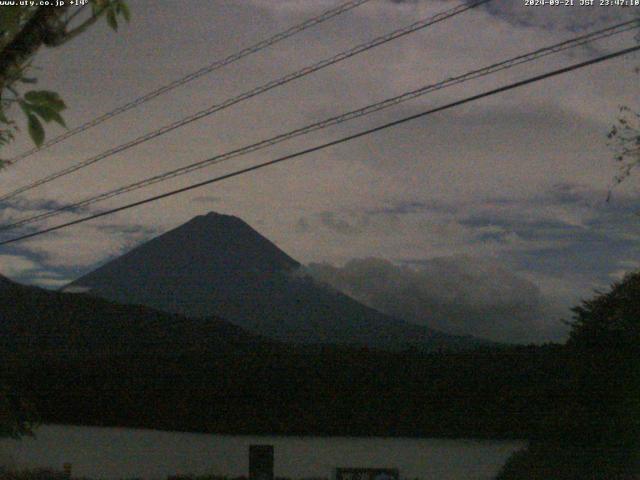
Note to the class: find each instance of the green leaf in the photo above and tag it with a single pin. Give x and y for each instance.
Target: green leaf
(124, 11)
(10, 17)
(56, 117)
(36, 130)
(48, 114)
(112, 20)
(39, 96)
(25, 107)
(97, 6)
(47, 98)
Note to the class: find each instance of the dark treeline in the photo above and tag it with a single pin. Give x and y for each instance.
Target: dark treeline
(504, 393)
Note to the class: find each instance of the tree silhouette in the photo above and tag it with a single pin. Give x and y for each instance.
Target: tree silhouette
(610, 320)
(25, 29)
(605, 340)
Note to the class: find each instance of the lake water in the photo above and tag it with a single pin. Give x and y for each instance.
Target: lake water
(126, 453)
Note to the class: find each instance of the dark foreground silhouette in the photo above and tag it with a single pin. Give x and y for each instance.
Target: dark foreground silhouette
(578, 404)
(594, 433)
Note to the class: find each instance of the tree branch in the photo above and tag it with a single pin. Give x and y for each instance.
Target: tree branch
(9, 35)
(77, 30)
(74, 14)
(39, 30)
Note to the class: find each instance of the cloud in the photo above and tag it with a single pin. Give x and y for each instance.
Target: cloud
(565, 216)
(85, 245)
(19, 208)
(624, 267)
(460, 295)
(346, 225)
(27, 268)
(565, 16)
(12, 265)
(55, 259)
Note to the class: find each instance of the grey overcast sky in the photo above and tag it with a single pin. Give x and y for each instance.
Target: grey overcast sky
(487, 219)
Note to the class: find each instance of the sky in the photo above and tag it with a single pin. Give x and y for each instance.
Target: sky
(488, 219)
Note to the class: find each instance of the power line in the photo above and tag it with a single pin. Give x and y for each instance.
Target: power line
(323, 146)
(369, 109)
(334, 12)
(251, 93)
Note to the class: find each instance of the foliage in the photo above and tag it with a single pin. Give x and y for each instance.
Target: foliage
(24, 29)
(336, 392)
(624, 140)
(562, 461)
(40, 105)
(16, 414)
(39, 474)
(596, 433)
(609, 320)
(605, 345)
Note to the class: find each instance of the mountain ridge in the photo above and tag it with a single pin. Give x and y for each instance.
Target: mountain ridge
(38, 321)
(218, 265)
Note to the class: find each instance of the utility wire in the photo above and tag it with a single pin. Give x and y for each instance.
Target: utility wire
(369, 109)
(251, 93)
(323, 146)
(342, 8)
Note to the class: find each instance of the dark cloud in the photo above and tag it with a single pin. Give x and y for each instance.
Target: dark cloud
(411, 206)
(344, 224)
(41, 267)
(137, 230)
(574, 18)
(404, 2)
(460, 295)
(302, 225)
(32, 205)
(18, 209)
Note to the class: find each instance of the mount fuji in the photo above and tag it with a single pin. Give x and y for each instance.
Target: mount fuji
(217, 265)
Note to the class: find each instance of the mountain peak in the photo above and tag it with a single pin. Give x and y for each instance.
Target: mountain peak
(214, 220)
(212, 251)
(218, 217)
